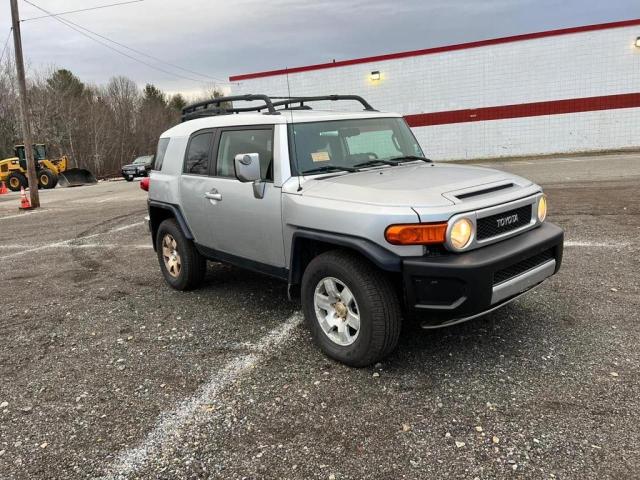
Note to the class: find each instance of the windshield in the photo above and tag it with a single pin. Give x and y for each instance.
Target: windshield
(143, 160)
(349, 143)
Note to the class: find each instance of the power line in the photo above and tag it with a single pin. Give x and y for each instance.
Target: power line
(80, 10)
(64, 22)
(145, 54)
(6, 43)
(79, 28)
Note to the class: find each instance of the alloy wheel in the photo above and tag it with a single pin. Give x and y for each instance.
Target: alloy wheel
(170, 255)
(337, 311)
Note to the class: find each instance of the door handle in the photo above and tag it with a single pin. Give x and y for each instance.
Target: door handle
(213, 195)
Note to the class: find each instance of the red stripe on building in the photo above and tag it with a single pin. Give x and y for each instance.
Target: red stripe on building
(552, 107)
(430, 51)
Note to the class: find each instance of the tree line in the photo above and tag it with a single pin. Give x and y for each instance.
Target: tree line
(99, 127)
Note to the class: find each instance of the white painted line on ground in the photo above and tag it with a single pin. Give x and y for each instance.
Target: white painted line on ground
(167, 429)
(82, 245)
(99, 201)
(126, 227)
(69, 242)
(24, 214)
(596, 244)
(106, 245)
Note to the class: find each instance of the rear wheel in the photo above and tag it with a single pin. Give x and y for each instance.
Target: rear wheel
(351, 308)
(15, 180)
(47, 179)
(182, 265)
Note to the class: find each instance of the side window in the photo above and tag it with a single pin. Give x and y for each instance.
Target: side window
(245, 141)
(159, 158)
(380, 141)
(197, 159)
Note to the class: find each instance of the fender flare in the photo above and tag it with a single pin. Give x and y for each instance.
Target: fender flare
(378, 255)
(177, 213)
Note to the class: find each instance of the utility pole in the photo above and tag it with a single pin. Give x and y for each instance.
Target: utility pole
(24, 106)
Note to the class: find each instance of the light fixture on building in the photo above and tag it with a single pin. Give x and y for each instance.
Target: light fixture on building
(638, 42)
(374, 76)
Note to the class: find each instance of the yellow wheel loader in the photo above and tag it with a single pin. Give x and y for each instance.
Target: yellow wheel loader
(13, 171)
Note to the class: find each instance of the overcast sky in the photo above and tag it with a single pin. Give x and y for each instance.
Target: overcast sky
(222, 38)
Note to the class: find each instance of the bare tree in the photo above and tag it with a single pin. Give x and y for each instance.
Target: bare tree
(98, 127)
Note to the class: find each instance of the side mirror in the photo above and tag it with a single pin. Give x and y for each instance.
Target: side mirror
(247, 167)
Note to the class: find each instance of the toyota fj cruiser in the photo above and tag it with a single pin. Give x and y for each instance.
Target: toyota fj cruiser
(347, 210)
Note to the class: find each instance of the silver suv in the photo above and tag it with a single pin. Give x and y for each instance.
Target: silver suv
(347, 210)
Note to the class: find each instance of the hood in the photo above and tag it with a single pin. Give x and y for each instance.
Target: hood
(412, 185)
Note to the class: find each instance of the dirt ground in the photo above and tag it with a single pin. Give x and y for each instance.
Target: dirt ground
(105, 371)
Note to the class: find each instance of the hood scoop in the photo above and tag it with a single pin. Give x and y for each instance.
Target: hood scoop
(465, 194)
(484, 191)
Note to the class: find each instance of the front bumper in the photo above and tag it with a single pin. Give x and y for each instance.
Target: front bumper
(454, 287)
(133, 173)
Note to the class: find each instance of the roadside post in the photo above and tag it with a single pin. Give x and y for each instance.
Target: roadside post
(24, 107)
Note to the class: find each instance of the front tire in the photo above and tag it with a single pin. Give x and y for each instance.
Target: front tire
(351, 308)
(181, 264)
(46, 179)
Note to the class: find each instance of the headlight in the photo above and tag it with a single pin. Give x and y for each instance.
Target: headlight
(542, 208)
(461, 233)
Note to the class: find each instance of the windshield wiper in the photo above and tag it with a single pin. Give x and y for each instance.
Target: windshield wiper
(371, 163)
(330, 168)
(409, 158)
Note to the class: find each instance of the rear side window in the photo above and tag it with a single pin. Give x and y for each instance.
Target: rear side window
(162, 149)
(198, 154)
(245, 141)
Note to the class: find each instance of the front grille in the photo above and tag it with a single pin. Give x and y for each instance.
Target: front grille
(522, 266)
(503, 222)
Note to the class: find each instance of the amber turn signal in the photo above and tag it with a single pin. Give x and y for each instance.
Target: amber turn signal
(416, 233)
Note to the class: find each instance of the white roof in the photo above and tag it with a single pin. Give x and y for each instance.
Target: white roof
(255, 118)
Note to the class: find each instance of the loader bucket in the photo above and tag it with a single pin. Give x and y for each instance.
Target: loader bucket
(75, 177)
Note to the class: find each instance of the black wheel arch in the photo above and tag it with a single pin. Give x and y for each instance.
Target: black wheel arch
(161, 211)
(307, 244)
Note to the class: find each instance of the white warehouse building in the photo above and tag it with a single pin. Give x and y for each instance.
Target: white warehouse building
(561, 91)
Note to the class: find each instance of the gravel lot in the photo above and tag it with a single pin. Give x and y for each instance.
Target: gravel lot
(105, 371)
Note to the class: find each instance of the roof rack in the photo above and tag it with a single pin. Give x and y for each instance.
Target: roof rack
(224, 105)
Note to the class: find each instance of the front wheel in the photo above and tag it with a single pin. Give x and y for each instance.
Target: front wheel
(46, 179)
(182, 265)
(351, 308)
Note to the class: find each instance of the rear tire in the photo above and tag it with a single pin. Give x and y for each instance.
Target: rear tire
(47, 179)
(181, 264)
(371, 298)
(16, 180)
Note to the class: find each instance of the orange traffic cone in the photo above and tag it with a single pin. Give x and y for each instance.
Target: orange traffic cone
(3, 189)
(25, 204)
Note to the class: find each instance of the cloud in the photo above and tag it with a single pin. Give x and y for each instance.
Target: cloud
(220, 38)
